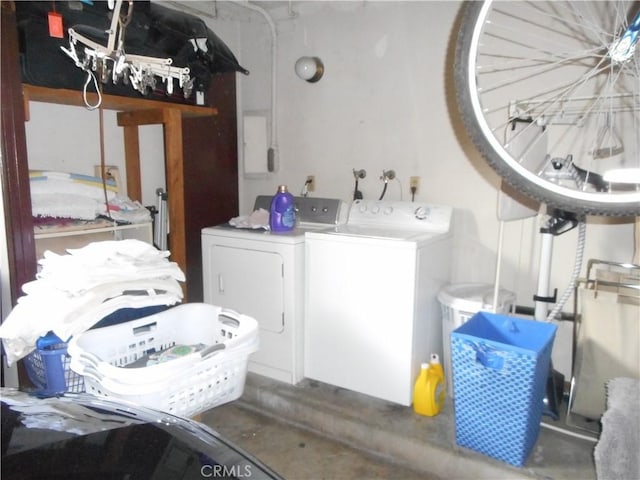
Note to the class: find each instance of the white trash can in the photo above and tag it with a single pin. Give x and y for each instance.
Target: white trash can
(459, 302)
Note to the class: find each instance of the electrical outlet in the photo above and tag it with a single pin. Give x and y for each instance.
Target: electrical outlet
(414, 184)
(311, 183)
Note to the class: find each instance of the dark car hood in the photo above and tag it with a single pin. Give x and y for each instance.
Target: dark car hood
(79, 436)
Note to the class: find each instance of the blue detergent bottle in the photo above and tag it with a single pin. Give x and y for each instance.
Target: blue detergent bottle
(282, 214)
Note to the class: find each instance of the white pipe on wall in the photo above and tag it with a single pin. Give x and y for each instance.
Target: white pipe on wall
(273, 147)
(272, 154)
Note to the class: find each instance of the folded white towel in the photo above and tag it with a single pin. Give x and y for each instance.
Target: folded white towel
(103, 262)
(100, 251)
(70, 186)
(65, 205)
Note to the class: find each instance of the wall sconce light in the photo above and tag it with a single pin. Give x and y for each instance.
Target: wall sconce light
(310, 69)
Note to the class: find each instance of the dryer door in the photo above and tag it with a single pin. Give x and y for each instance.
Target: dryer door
(248, 281)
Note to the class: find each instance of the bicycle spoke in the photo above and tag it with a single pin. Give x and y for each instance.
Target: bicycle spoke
(562, 67)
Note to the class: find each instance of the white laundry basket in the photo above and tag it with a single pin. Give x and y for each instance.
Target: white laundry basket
(459, 302)
(182, 386)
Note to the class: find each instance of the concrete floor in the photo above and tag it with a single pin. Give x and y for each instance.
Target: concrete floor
(298, 453)
(315, 431)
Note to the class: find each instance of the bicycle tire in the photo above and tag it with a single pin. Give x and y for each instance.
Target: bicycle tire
(474, 19)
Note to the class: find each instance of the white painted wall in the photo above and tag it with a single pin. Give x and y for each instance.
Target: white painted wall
(386, 101)
(65, 138)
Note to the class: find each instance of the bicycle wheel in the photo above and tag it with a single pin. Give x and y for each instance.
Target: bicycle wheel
(550, 95)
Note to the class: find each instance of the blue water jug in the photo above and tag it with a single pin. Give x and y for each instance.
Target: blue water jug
(282, 215)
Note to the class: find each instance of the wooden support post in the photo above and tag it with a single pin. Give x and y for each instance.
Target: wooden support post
(132, 162)
(175, 186)
(171, 120)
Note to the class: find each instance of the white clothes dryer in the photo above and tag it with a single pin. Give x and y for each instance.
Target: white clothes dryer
(372, 314)
(261, 274)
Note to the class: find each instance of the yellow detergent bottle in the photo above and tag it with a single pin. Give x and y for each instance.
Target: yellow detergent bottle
(429, 390)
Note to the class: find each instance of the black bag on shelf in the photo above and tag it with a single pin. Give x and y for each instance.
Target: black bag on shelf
(154, 31)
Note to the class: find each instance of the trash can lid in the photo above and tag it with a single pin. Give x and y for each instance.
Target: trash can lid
(472, 297)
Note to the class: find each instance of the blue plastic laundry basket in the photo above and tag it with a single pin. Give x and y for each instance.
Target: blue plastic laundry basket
(48, 367)
(500, 369)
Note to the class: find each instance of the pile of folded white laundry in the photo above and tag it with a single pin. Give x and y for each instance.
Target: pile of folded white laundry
(73, 195)
(73, 292)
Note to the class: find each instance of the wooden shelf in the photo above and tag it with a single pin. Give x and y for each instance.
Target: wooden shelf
(132, 113)
(59, 242)
(63, 96)
(39, 234)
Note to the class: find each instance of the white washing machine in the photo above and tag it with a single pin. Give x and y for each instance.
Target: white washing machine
(372, 314)
(261, 274)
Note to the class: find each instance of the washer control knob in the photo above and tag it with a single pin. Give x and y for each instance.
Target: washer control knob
(314, 209)
(421, 213)
(325, 209)
(388, 210)
(363, 208)
(375, 209)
